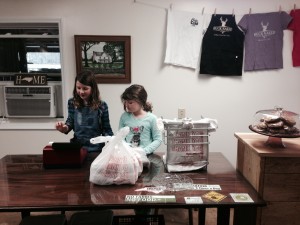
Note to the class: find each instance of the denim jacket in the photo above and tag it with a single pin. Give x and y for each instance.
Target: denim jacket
(88, 123)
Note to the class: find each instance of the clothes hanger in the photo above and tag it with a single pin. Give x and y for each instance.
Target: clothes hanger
(249, 11)
(233, 12)
(203, 10)
(215, 11)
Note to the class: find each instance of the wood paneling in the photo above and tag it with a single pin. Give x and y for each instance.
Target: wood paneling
(282, 188)
(282, 165)
(281, 213)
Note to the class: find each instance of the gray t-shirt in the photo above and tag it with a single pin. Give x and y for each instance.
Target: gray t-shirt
(264, 39)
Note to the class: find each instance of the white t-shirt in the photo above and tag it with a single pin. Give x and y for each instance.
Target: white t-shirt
(184, 37)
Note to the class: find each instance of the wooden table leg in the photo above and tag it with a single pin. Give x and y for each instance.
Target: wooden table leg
(223, 216)
(25, 214)
(201, 216)
(245, 215)
(190, 216)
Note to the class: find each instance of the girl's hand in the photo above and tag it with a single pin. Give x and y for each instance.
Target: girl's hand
(60, 126)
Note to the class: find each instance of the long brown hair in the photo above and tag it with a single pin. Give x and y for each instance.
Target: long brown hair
(87, 78)
(137, 93)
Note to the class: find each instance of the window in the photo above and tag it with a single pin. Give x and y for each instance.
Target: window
(27, 47)
(30, 48)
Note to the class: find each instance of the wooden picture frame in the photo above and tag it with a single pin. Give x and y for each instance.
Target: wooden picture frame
(107, 56)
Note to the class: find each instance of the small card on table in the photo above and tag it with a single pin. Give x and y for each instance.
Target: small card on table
(150, 198)
(241, 197)
(214, 196)
(193, 200)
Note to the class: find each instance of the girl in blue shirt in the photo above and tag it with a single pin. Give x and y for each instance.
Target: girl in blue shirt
(144, 132)
(88, 115)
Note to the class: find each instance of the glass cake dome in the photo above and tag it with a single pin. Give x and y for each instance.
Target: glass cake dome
(277, 123)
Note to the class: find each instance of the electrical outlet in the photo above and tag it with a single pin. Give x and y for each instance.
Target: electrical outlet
(181, 113)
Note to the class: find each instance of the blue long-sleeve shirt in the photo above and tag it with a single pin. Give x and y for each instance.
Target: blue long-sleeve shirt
(88, 123)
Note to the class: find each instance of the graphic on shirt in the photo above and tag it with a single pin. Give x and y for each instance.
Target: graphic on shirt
(223, 28)
(136, 138)
(265, 32)
(194, 22)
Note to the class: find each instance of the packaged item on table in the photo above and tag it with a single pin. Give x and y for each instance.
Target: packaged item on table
(117, 163)
(187, 143)
(63, 155)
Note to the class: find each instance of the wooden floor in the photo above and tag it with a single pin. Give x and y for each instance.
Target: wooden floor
(172, 216)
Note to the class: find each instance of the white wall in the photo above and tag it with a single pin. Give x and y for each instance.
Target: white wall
(231, 100)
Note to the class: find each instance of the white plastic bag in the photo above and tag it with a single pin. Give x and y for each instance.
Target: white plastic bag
(116, 164)
(142, 156)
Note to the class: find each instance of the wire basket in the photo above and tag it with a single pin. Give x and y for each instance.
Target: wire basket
(187, 145)
(139, 220)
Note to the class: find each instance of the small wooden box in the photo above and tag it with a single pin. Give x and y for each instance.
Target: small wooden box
(64, 157)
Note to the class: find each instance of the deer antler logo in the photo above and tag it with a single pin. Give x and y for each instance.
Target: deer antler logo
(223, 28)
(223, 22)
(264, 33)
(264, 27)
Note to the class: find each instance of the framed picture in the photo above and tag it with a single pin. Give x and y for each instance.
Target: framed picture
(107, 56)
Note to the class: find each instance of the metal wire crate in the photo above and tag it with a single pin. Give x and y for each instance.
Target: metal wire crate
(187, 145)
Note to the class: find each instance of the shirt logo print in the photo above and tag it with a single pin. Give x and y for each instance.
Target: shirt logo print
(264, 33)
(136, 138)
(194, 22)
(223, 28)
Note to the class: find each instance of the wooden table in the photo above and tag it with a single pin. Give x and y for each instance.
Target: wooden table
(275, 173)
(25, 186)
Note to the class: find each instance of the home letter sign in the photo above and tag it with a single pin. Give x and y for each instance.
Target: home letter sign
(30, 79)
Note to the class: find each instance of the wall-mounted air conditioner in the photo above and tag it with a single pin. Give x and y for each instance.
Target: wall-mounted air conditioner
(29, 101)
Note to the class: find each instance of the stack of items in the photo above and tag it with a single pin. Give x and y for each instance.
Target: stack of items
(187, 143)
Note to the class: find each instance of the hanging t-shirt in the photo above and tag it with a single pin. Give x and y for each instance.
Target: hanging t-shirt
(264, 39)
(295, 27)
(184, 35)
(222, 47)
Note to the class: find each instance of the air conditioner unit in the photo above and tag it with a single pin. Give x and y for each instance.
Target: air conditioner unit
(29, 101)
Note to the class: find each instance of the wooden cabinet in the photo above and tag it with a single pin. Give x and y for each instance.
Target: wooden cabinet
(275, 174)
